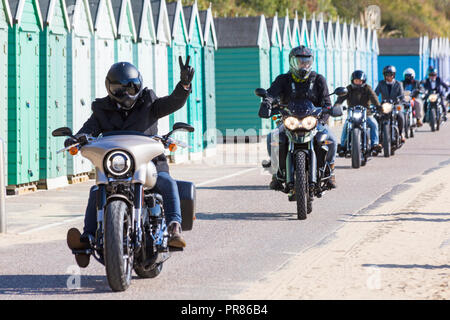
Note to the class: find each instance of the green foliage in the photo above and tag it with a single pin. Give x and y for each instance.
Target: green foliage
(402, 18)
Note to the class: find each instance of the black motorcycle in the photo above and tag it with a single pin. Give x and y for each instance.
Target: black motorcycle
(433, 107)
(410, 116)
(389, 132)
(307, 172)
(358, 138)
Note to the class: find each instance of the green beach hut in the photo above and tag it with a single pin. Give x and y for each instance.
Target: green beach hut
(79, 79)
(276, 43)
(287, 42)
(126, 31)
(23, 95)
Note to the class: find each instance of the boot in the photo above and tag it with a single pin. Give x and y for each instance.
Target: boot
(332, 180)
(419, 123)
(175, 238)
(275, 184)
(341, 150)
(74, 243)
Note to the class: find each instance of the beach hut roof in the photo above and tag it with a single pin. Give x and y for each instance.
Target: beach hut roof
(399, 46)
(240, 31)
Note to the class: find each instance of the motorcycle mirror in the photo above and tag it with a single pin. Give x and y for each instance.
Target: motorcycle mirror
(260, 92)
(183, 126)
(62, 132)
(340, 91)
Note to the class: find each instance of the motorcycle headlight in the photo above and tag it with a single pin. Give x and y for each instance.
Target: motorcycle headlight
(292, 123)
(118, 163)
(309, 123)
(357, 115)
(387, 107)
(433, 97)
(407, 98)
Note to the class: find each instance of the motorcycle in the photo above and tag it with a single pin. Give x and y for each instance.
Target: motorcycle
(358, 137)
(307, 171)
(131, 227)
(388, 126)
(410, 115)
(433, 107)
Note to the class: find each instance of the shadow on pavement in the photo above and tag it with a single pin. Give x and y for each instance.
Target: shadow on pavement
(250, 188)
(30, 285)
(246, 216)
(407, 266)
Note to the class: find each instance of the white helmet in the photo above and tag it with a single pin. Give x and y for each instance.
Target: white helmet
(409, 71)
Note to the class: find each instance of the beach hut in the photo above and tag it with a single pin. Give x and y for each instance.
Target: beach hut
(375, 53)
(338, 81)
(368, 56)
(351, 49)
(5, 24)
(321, 47)
(195, 100)
(126, 31)
(178, 49)
(329, 54)
(209, 78)
(287, 43)
(145, 40)
(53, 93)
(103, 43)
(242, 65)
(23, 95)
(276, 43)
(345, 49)
(402, 53)
(79, 77)
(163, 42)
(425, 55)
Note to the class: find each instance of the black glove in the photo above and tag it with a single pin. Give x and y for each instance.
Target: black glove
(265, 109)
(81, 138)
(69, 142)
(186, 72)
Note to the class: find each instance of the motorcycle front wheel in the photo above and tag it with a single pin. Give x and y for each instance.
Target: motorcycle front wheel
(356, 148)
(386, 141)
(117, 247)
(301, 187)
(433, 120)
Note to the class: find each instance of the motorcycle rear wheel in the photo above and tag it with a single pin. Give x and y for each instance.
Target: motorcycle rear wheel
(118, 256)
(301, 187)
(148, 273)
(356, 148)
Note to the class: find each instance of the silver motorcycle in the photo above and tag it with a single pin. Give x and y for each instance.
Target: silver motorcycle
(131, 226)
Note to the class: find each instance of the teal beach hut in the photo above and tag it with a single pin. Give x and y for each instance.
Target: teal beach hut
(329, 55)
(287, 43)
(5, 24)
(338, 81)
(321, 46)
(345, 49)
(105, 32)
(195, 100)
(126, 31)
(242, 65)
(368, 56)
(23, 94)
(53, 93)
(375, 53)
(79, 78)
(351, 48)
(177, 49)
(145, 40)
(313, 41)
(276, 43)
(209, 83)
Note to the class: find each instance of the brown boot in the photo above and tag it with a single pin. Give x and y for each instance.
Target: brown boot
(419, 123)
(74, 243)
(175, 238)
(332, 180)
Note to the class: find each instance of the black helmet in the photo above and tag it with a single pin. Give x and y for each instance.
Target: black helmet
(432, 71)
(300, 62)
(389, 70)
(124, 84)
(358, 74)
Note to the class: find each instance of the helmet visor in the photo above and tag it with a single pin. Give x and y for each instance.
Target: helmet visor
(131, 87)
(299, 63)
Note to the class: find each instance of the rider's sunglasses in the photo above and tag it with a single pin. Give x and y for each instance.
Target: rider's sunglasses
(130, 87)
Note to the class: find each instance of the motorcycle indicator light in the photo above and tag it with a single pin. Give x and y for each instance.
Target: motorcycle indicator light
(173, 147)
(73, 151)
(386, 107)
(433, 97)
(399, 108)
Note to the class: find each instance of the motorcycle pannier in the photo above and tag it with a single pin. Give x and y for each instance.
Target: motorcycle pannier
(187, 198)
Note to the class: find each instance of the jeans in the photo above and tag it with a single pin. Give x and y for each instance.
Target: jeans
(372, 123)
(165, 185)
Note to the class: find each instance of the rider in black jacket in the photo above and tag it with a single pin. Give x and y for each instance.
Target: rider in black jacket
(300, 83)
(433, 82)
(131, 107)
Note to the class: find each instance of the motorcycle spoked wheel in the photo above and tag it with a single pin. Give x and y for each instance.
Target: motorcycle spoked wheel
(301, 186)
(356, 148)
(117, 250)
(433, 120)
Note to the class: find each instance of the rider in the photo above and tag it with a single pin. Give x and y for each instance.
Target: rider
(360, 93)
(411, 84)
(130, 106)
(391, 89)
(433, 82)
(298, 84)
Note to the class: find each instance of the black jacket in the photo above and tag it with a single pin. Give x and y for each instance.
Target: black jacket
(282, 88)
(363, 96)
(441, 86)
(106, 116)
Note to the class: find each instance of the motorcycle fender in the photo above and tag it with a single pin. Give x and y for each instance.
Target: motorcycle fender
(187, 193)
(119, 197)
(312, 165)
